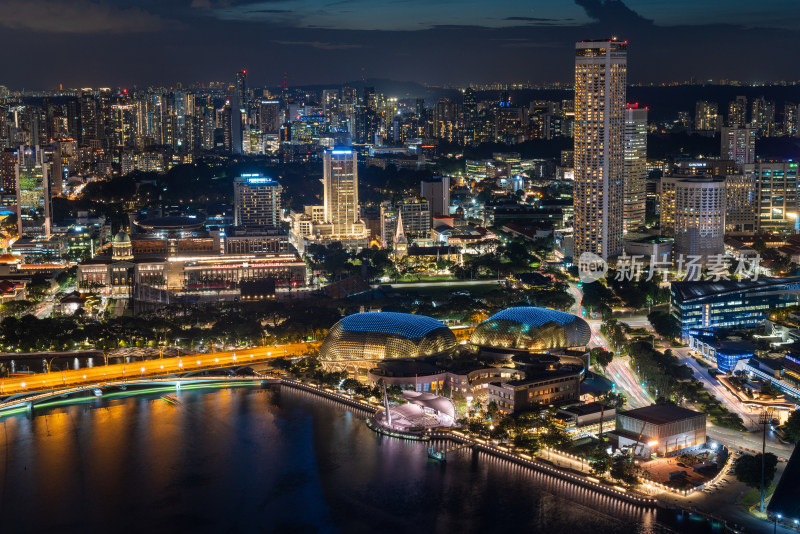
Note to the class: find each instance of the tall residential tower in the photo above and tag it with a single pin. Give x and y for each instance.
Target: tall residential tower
(600, 77)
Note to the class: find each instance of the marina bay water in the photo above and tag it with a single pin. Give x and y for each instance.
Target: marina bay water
(268, 460)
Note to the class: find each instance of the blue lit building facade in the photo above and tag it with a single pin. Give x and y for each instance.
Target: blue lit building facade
(729, 303)
(726, 353)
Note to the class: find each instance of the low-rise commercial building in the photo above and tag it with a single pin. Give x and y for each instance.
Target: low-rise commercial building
(545, 389)
(661, 429)
(584, 419)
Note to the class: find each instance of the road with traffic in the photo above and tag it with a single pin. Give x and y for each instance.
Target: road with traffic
(619, 370)
(148, 368)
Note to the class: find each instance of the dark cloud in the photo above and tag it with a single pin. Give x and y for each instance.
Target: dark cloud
(611, 11)
(533, 19)
(319, 45)
(76, 16)
(83, 43)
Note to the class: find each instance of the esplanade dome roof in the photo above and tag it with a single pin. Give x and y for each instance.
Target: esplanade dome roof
(385, 335)
(531, 328)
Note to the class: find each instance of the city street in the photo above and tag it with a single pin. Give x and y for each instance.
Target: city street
(712, 385)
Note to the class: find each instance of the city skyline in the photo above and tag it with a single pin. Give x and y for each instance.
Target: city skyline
(79, 43)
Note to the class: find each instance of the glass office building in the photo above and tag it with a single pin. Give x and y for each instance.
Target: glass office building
(730, 303)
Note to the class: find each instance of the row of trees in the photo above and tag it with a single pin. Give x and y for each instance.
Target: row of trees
(235, 324)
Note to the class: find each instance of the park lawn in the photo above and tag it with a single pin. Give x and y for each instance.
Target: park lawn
(753, 497)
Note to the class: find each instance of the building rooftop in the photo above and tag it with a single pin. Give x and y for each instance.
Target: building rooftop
(700, 290)
(404, 324)
(588, 408)
(532, 378)
(661, 414)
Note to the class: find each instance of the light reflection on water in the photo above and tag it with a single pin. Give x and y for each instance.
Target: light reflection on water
(268, 460)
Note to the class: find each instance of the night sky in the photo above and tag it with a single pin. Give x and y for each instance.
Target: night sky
(84, 43)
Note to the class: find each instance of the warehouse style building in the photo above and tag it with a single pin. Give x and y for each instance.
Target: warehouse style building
(660, 429)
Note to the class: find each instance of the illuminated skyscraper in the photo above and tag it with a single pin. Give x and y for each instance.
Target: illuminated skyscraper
(763, 116)
(790, 128)
(737, 112)
(738, 145)
(33, 194)
(241, 86)
(700, 204)
(600, 77)
(8, 171)
(340, 179)
(706, 116)
(257, 201)
(635, 167)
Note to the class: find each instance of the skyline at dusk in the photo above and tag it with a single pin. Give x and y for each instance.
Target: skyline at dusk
(347, 266)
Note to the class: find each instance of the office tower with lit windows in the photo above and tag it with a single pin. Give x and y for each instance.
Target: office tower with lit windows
(340, 181)
(600, 78)
(257, 201)
(269, 116)
(700, 204)
(635, 167)
(339, 218)
(738, 144)
(740, 193)
(777, 190)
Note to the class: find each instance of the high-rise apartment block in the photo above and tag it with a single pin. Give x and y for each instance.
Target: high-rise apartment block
(706, 117)
(635, 168)
(737, 112)
(600, 79)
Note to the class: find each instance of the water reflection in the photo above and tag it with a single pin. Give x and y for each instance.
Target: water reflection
(271, 460)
